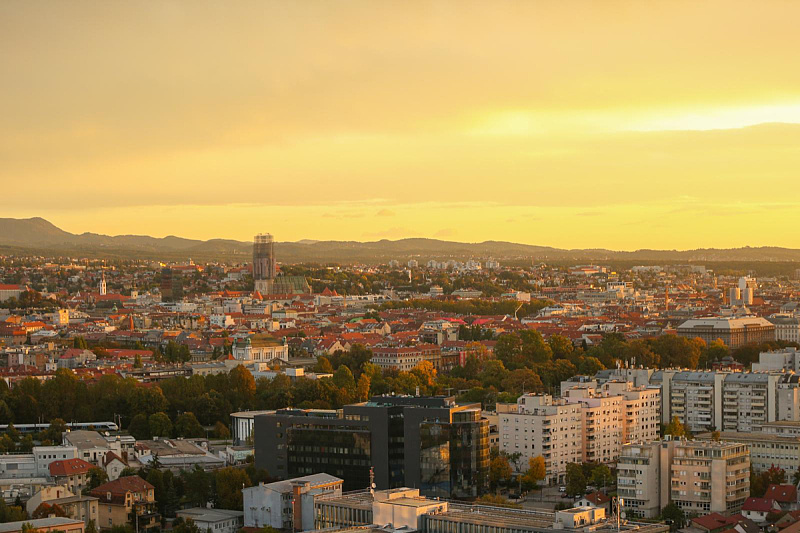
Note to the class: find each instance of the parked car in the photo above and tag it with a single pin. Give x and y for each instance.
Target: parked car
(562, 488)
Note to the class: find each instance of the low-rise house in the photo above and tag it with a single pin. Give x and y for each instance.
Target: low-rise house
(127, 500)
(71, 473)
(597, 500)
(785, 495)
(84, 508)
(43, 525)
(113, 465)
(214, 520)
(757, 509)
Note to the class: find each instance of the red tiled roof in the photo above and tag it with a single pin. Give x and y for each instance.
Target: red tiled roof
(781, 493)
(69, 467)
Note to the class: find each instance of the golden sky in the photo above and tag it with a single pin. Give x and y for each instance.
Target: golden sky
(624, 125)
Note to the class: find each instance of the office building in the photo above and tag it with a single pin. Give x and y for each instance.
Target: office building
(787, 327)
(264, 264)
(783, 360)
(734, 332)
(214, 520)
(766, 449)
(429, 443)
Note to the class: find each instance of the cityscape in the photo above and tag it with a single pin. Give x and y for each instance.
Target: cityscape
(274, 266)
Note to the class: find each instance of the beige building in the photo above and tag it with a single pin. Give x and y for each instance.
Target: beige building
(643, 479)
(708, 476)
(127, 500)
(538, 425)
(641, 410)
(601, 421)
(699, 476)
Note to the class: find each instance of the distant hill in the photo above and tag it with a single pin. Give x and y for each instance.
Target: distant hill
(37, 235)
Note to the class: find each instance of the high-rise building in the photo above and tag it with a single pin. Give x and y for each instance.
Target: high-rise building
(538, 425)
(429, 443)
(264, 265)
(698, 476)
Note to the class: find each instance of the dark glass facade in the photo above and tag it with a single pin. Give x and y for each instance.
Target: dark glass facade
(426, 443)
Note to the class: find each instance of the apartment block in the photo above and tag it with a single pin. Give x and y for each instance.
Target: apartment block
(641, 410)
(642, 476)
(710, 477)
(601, 421)
(538, 425)
(699, 476)
(749, 400)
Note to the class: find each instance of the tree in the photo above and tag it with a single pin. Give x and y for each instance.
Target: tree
(535, 473)
(221, 431)
(323, 366)
(187, 426)
(499, 471)
(97, 476)
(673, 515)
(601, 476)
(55, 432)
(79, 343)
(160, 425)
(242, 388)
(137, 361)
(576, 481)
(715, 435)
(229, 483)
(45, 510)
(139, 427)
(676, 429)
(363, 387)
(343, 378)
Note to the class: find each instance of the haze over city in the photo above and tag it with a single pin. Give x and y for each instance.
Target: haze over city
(613, 124)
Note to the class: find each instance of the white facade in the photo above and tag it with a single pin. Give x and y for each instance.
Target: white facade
(276, 504)
(541, 426)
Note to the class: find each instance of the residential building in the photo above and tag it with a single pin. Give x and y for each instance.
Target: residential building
(538, 425)
(641, 410)
(749, 400)
(709, 476)
(127, 500)
(430, 443)
(403, 359)
(766, 449)
(697, 476)
(643, 479)
(601, 424)
(260, 348)
(71, 473)
(284, 504)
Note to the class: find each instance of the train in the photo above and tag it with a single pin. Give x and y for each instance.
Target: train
(36, 428)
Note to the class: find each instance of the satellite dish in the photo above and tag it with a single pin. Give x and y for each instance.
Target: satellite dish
(622, 515)
(372, 485)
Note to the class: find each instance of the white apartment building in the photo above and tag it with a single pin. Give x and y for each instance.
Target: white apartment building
(695, 398)
(749, 400)
(404, 359)
(601, 420)
(538, 425)
(288, 504)
(785, 360)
